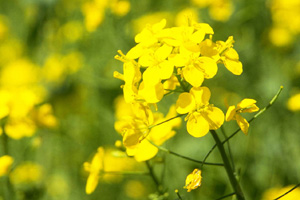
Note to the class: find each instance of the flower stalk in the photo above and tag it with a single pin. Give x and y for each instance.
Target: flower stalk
(234, 183)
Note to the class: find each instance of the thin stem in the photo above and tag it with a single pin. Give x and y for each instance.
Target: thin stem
(259, 113)
(177, 192)
(288, 191)
(154, 178)
(183, 86)
(229, 149)
(206, 156)
(166, 121)
(234, 183)
(184, 157)
(228, 195)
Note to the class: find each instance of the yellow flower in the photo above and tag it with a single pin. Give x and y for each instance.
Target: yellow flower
(104, 162)
(95, 168)
(26, 173)
(202, 116)
(134, 127)
(5, 164)
(229, 56)
(245, 106)
(276, 192)
(193, 180)
(293, 103)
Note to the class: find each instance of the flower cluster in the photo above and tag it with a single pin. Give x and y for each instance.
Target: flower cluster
(172, 60)
(164, 59)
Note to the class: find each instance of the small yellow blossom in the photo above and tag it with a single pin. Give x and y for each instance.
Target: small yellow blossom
(5, 164)
(193, 180)
(234, 113)
(202, 116)
(293, 103)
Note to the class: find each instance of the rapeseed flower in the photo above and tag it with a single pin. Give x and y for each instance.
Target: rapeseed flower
(5, 164)
(202, 116)
(193, 180)
(234, 113)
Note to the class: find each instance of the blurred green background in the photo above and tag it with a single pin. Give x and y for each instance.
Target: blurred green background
(72, 44)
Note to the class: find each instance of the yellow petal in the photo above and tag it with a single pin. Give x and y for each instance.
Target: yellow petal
(165, 69)
(197, 126)
(185, 103)
(234, 66)
(159, 26)
(208, 65)
(151, 76)
(198, 36)
(92, 183)
(152, 93)
(145, 151)
(192, 75)
(231, 111)
(201, 95)
(131, 138)
(135, 52)
(147, 60)
(231, 54)
(163, 52)
(245, 103)
(214, 117)
(243, 124)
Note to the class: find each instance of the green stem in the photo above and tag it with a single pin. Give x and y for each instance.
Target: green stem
(234, 183)
(183, 86)
(185, 157)
(154, 178)
(166, 121)
(228, 195)
(206, 156)
(229, 149)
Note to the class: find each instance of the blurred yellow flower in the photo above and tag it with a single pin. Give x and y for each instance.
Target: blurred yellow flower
(26, 173)
(202, 116)
(120, 7)
(245, 106)
(19, 128)
(95, 169)
(273, 193)
(5, 164)
(44, 117)
(193, 180)
(181, 18)
(135, 189)
(106, 165)
(293, 103)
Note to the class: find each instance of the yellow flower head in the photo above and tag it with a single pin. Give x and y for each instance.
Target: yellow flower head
(202, 116)
(193, 180)
(245, 106)
(5, 164)
(135, 127)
